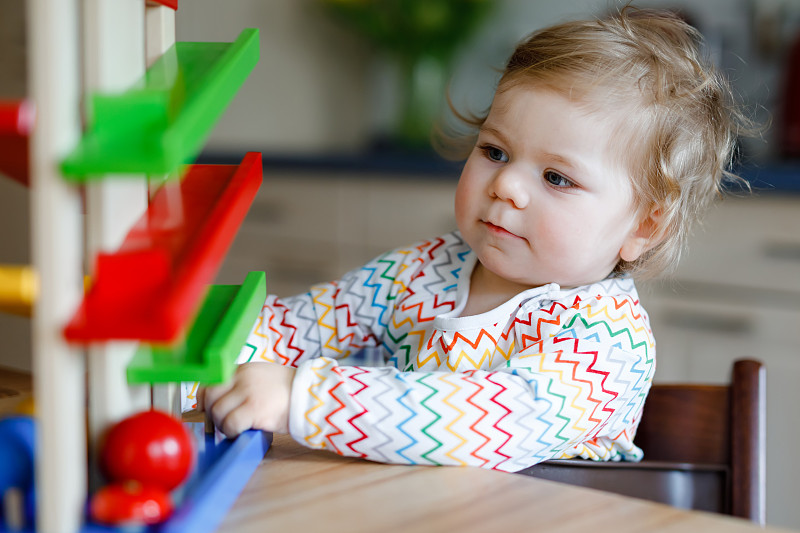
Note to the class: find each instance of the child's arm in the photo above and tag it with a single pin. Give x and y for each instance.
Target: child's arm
(333, 319)
(577, 390)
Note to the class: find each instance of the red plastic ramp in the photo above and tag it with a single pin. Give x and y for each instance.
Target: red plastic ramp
(150, 288)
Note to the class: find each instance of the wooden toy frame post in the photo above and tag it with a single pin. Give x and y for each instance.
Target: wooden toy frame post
(150, 269)
(57, 257)
(159, 37)
(121, 39)
(114, 59)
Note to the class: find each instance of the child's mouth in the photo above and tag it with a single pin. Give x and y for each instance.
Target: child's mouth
(500, 231)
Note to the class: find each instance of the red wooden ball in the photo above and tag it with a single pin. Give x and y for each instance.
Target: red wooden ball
(129, 504)
(150, 447)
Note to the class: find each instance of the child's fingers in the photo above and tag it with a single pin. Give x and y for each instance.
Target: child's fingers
(223, 406)
(207, 397)
(236, 421)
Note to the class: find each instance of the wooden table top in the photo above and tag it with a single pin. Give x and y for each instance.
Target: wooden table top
(298, 489)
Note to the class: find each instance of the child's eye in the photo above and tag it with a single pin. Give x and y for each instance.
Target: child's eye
(557, 180)
(495, 154)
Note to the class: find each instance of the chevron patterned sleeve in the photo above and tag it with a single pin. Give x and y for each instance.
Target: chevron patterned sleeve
(333, 319)
(570, 381)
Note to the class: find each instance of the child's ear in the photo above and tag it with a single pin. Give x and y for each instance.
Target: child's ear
(646, 235)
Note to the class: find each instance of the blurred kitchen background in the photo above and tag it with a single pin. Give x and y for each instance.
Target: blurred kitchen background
(346, 161)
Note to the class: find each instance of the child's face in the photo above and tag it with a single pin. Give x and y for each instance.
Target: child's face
(543, 196)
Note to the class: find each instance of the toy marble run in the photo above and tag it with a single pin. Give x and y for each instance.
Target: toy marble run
(150, 273)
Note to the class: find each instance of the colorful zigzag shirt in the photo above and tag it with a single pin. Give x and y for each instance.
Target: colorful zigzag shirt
(552, 373)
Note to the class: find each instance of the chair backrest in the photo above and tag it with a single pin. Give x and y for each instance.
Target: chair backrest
(704, 446)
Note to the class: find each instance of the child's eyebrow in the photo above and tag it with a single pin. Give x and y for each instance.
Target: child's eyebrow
(560, 159)
(492, 131)
(576, 166)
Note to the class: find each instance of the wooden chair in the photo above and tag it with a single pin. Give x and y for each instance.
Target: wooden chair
(704, 448)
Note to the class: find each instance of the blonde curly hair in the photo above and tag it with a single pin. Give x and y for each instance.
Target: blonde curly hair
(679, 138)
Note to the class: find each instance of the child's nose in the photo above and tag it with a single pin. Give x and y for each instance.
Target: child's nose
(510, 185)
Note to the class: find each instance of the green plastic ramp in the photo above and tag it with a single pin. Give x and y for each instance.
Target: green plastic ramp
(164, 120)
(209, 352)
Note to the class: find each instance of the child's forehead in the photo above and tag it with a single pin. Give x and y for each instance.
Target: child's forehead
(541, 119)
(596, 102)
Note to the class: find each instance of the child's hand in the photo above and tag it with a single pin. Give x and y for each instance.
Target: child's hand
(257, 397)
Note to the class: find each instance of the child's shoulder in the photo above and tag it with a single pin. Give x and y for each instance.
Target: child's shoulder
(447, 249)
(607, 301)
(620, 289)
(424, 268)
(450, 245)
(606, 313)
